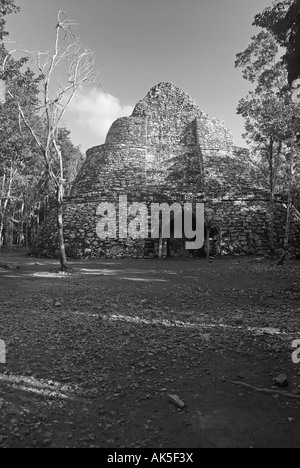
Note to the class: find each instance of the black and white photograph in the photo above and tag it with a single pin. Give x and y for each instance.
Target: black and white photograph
(150, 226)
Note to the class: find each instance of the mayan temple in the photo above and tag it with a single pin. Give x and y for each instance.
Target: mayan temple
(169, 151)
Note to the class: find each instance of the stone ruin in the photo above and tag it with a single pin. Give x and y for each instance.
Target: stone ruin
(168, 151)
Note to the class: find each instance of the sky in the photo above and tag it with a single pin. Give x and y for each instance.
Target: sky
(140, 43)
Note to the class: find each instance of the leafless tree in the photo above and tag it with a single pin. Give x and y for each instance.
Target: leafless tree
(62, 71)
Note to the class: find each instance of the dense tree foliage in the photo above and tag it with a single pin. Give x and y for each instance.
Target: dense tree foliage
(25, 187)
(282, 19)
(6, 7)
(272, 119)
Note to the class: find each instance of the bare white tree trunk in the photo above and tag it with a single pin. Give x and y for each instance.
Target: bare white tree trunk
(79, 63)
(290, 202)
(4, 201)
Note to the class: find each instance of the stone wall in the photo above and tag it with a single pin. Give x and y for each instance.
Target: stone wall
(167, 151)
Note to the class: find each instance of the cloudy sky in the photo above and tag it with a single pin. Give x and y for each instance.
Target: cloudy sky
(138, 44)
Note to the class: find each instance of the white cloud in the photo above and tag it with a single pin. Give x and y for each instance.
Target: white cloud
(90, 116)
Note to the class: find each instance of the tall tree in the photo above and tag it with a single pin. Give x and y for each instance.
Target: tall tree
(270, 115)
(14, 148)
(282, 20)
(74, 64)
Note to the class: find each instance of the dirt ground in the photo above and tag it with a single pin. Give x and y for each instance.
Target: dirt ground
(92, 356)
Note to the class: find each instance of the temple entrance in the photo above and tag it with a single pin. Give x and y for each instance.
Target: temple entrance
(176, 247)
(213, 235)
